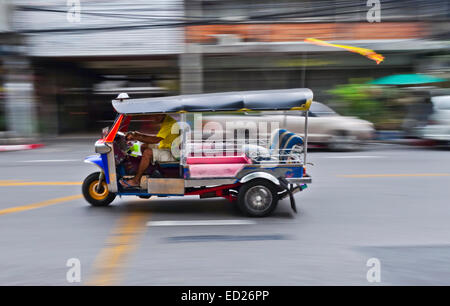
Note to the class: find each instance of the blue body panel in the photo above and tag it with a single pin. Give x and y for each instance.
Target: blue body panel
(101, 161)
(290, 172)
(295, 172)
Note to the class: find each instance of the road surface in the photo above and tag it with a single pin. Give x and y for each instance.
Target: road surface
(387, 204)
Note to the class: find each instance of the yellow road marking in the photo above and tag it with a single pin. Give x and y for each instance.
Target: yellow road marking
(8, 181)
(107, 267)
(39, 204)
(393, 175)
(21, 183)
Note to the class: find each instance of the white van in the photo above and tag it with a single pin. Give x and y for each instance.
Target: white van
(438, 127)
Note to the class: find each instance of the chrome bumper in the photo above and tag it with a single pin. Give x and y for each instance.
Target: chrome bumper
(300, 180)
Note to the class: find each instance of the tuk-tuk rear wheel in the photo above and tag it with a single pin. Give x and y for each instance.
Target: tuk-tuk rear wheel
(93, 193)
(258, 198)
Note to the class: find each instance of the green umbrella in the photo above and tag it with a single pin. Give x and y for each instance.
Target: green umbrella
(406, 79)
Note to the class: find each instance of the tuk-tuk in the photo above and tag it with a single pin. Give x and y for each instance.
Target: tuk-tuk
(253, 175)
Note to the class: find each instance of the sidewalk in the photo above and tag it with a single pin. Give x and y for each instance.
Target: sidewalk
(11, 142)
(8, 141)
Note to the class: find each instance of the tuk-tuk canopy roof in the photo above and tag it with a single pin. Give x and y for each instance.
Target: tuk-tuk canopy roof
(262, 100)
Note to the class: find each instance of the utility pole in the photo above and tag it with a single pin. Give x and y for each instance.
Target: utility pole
(18, 83)
(191, 61)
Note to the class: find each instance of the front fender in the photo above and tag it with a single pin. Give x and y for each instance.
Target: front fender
(100, 161)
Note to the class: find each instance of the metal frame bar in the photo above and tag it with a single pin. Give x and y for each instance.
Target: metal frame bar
(115, 128)
(305, 148)
(112, 186)
(183, 140)
(218, 191)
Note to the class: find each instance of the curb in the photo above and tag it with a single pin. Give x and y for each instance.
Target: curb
(20, 147)
(407, 142)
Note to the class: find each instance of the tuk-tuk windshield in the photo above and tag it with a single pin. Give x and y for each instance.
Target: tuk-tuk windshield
(142, 123)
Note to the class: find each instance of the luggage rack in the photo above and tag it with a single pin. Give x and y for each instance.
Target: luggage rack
(259, 154)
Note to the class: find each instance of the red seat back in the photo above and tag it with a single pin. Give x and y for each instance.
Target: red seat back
(203, 160)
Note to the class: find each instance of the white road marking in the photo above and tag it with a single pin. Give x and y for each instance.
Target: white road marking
(49, 160)
(351, 156)
(200, 222)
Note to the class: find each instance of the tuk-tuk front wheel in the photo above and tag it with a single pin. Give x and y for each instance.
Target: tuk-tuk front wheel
(258, 198)
(95, 194)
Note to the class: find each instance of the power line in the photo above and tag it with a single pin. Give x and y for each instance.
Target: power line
(155, 21)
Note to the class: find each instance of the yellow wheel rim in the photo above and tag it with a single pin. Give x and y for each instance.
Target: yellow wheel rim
(98, 195)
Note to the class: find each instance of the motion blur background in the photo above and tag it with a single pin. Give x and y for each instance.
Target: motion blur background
(61, 62)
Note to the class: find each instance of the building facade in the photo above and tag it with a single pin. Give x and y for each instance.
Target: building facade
(77, 55)
(83, 52)
(260, 44)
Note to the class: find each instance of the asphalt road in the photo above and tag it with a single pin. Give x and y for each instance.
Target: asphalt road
(387, 202)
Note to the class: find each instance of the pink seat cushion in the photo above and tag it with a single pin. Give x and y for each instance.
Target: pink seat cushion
(214, 170)
(210, 160)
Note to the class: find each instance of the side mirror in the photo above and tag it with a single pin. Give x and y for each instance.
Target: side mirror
(105, 131)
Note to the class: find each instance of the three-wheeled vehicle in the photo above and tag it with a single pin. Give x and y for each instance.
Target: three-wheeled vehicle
(253, 176)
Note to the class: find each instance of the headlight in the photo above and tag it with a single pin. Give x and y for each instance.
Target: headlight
(102, 148)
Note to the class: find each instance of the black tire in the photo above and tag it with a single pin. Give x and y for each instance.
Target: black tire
(145, 197)
(101, 198)
(247, 202)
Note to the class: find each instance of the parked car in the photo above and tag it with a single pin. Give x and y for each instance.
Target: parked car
(438, 126)
(326, 127)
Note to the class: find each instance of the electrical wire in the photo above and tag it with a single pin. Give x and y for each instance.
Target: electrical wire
(324, 11)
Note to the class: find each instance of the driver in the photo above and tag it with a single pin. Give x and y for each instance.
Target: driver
(160, 154)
